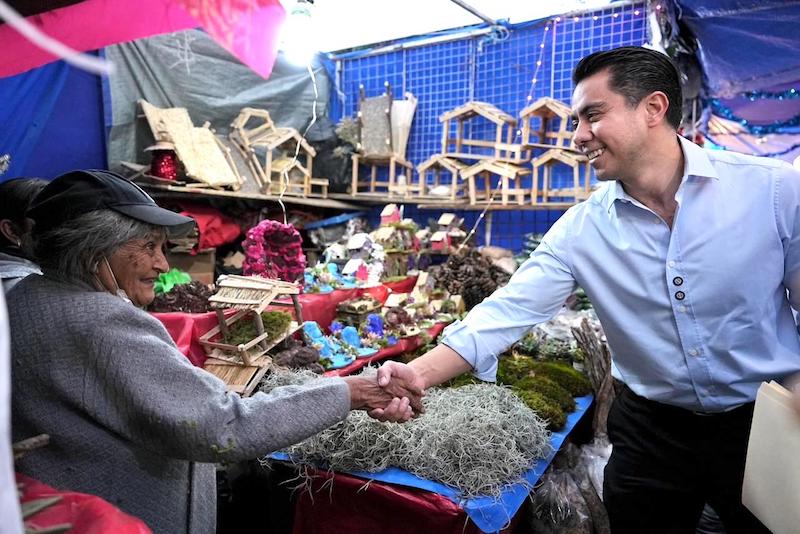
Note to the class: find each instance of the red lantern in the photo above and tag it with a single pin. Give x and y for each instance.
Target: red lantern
(165, 162)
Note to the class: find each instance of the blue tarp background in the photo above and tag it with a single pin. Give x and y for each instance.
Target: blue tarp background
(52, 121)
(745, 45)
(748, 50)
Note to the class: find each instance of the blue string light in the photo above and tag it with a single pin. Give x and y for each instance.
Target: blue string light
(755, 129)
(788, 94)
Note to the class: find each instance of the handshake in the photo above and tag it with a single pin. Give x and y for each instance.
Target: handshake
(395, 394)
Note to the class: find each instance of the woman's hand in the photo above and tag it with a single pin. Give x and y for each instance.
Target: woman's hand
(398, 401)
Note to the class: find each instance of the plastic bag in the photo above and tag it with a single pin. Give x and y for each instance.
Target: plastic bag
(594, 457)
(166, 281)
(558, 506)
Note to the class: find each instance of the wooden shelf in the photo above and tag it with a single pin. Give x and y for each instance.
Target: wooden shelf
(346, 201)
(165, 191)
(495, 206)
(386, 198)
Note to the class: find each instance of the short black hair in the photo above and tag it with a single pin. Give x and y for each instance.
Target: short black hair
(636, 72)
(15, 197)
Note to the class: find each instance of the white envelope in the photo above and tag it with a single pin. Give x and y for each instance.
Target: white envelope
(772, 473)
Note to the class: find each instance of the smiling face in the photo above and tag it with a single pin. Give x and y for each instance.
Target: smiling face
(137, 264)
(608, 130)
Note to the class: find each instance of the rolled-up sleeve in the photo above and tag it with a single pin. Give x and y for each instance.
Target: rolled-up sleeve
(534, 295)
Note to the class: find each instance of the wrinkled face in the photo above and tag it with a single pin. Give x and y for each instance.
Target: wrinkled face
(136, 266)
(610, 132)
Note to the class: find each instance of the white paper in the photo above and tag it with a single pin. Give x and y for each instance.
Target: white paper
(772, 473)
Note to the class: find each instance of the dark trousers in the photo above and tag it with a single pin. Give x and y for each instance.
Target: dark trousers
(667, 462)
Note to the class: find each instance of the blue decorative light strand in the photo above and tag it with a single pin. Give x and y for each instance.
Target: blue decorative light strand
(788, 94)
(755, 129)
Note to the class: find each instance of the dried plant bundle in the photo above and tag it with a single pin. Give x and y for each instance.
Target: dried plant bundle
(477, 439)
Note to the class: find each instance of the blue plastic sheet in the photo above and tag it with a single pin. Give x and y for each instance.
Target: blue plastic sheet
(745, 45)
(488, 513)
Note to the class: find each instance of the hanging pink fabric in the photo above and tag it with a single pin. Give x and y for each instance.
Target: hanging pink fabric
(248, 29)
(90, 25)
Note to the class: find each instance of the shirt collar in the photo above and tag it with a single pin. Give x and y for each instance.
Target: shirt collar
(696, 163)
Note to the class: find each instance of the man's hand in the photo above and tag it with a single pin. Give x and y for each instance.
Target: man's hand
(398, 380)
(401, 403)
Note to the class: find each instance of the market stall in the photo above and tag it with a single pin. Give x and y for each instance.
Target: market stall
(352, 206)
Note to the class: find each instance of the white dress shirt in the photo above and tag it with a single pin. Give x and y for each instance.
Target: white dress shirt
(696, 316)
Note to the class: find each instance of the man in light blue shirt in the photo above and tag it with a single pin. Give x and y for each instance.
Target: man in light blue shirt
(692, 261)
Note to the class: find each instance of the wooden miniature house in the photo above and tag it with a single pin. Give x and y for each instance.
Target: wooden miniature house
(423, 237)
(383, 127)
(479, 146)
(204, 157)
(448, 221)
(243, 365)
(287, 157)
(546, 124)
(439, 165)
(355, 311)
(390, 214)
(508, 175)
(385, 236)
(451, 225)
(440, 241)
(556, 166)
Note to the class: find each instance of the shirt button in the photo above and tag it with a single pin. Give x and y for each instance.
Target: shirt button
(677, 280)
(680, 295)
(671, 263)
(682, 309)
(693, 352)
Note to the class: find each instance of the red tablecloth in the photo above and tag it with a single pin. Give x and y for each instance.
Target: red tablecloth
(86, 513)
(349, 506)
(186, 328)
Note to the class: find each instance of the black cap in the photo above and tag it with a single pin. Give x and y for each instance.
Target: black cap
(77, 192)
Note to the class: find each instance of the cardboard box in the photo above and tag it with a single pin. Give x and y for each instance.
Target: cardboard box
(200, 266)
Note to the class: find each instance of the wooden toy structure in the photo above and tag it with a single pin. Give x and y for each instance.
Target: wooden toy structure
(390, 214)
(510, 177)
(438, 165)
(242, 366)
(451, 225)
(204, 157)
(502, 165)
(383, 126)
(543, 173)
(288, 158)
(545, 124)
(460, 147)
(355, 311)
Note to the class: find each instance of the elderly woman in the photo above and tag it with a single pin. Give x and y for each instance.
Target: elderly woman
(129, 418)
(15, 197)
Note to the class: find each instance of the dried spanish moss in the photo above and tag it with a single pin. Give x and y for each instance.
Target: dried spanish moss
(476, 438)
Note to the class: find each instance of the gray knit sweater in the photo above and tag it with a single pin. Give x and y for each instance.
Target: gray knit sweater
(129, 418)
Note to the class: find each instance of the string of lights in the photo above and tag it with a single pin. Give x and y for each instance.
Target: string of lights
(542, 46)
(788, 94)
(756, 129)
